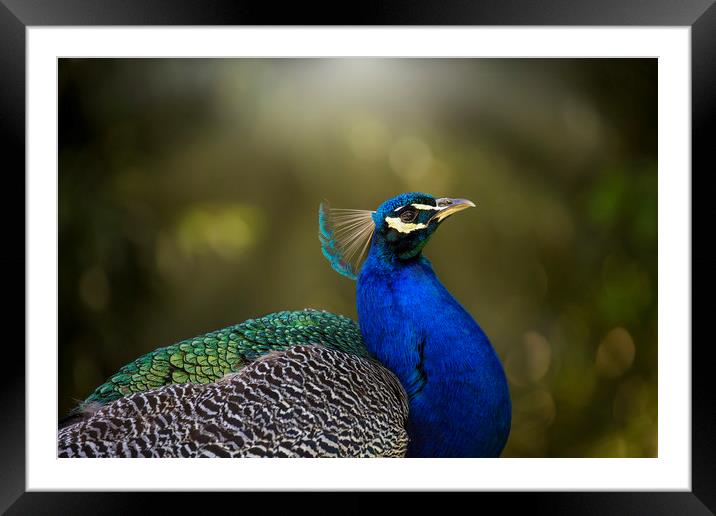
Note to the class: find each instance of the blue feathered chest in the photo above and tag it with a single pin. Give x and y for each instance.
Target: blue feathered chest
(459, 398)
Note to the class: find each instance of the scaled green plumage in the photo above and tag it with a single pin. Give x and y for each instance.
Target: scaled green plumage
(207, 358)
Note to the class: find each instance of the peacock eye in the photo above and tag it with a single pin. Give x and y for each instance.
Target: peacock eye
(408, 215)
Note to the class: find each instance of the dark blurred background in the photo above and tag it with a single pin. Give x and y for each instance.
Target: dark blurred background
(189, 188)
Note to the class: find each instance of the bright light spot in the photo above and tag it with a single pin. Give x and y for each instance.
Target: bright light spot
(411, 158)
(615, 354)
(226, 230)
(538, 406)
(530, 361)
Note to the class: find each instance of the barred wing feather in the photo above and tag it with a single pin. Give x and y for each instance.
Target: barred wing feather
(307, 401)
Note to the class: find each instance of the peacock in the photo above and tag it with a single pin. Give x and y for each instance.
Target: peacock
(415, 377)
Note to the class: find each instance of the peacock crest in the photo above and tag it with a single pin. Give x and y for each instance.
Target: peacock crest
(345, 237)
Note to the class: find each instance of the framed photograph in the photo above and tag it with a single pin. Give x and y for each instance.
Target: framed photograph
(212, 211)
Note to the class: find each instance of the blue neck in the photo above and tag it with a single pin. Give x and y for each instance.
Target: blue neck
(459, 399)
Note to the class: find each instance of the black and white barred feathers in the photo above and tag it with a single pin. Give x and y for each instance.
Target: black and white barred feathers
(307, 401)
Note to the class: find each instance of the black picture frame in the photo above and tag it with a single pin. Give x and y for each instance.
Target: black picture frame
(17, 15)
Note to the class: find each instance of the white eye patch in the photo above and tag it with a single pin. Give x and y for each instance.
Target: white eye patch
(403, 227)
(419, 207)
(425, 207)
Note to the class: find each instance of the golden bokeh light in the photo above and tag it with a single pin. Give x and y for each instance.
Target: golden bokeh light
(615, 353)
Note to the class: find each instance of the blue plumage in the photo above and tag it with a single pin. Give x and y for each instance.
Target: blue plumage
(459, 398)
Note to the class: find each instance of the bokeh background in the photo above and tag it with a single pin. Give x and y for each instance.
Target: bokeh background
(189, 188)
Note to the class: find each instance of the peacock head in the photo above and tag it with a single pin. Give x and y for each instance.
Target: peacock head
(399, 229)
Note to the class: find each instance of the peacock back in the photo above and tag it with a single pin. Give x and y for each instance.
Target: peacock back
(208, 358)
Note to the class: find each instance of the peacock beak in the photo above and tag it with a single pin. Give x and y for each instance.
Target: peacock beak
(447, 207)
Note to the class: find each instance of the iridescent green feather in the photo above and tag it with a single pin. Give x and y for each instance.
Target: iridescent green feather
(207, 358)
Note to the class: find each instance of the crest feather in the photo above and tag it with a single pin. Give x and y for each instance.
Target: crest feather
(345, 236)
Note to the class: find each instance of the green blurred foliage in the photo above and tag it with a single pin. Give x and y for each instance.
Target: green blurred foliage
(188, 196)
